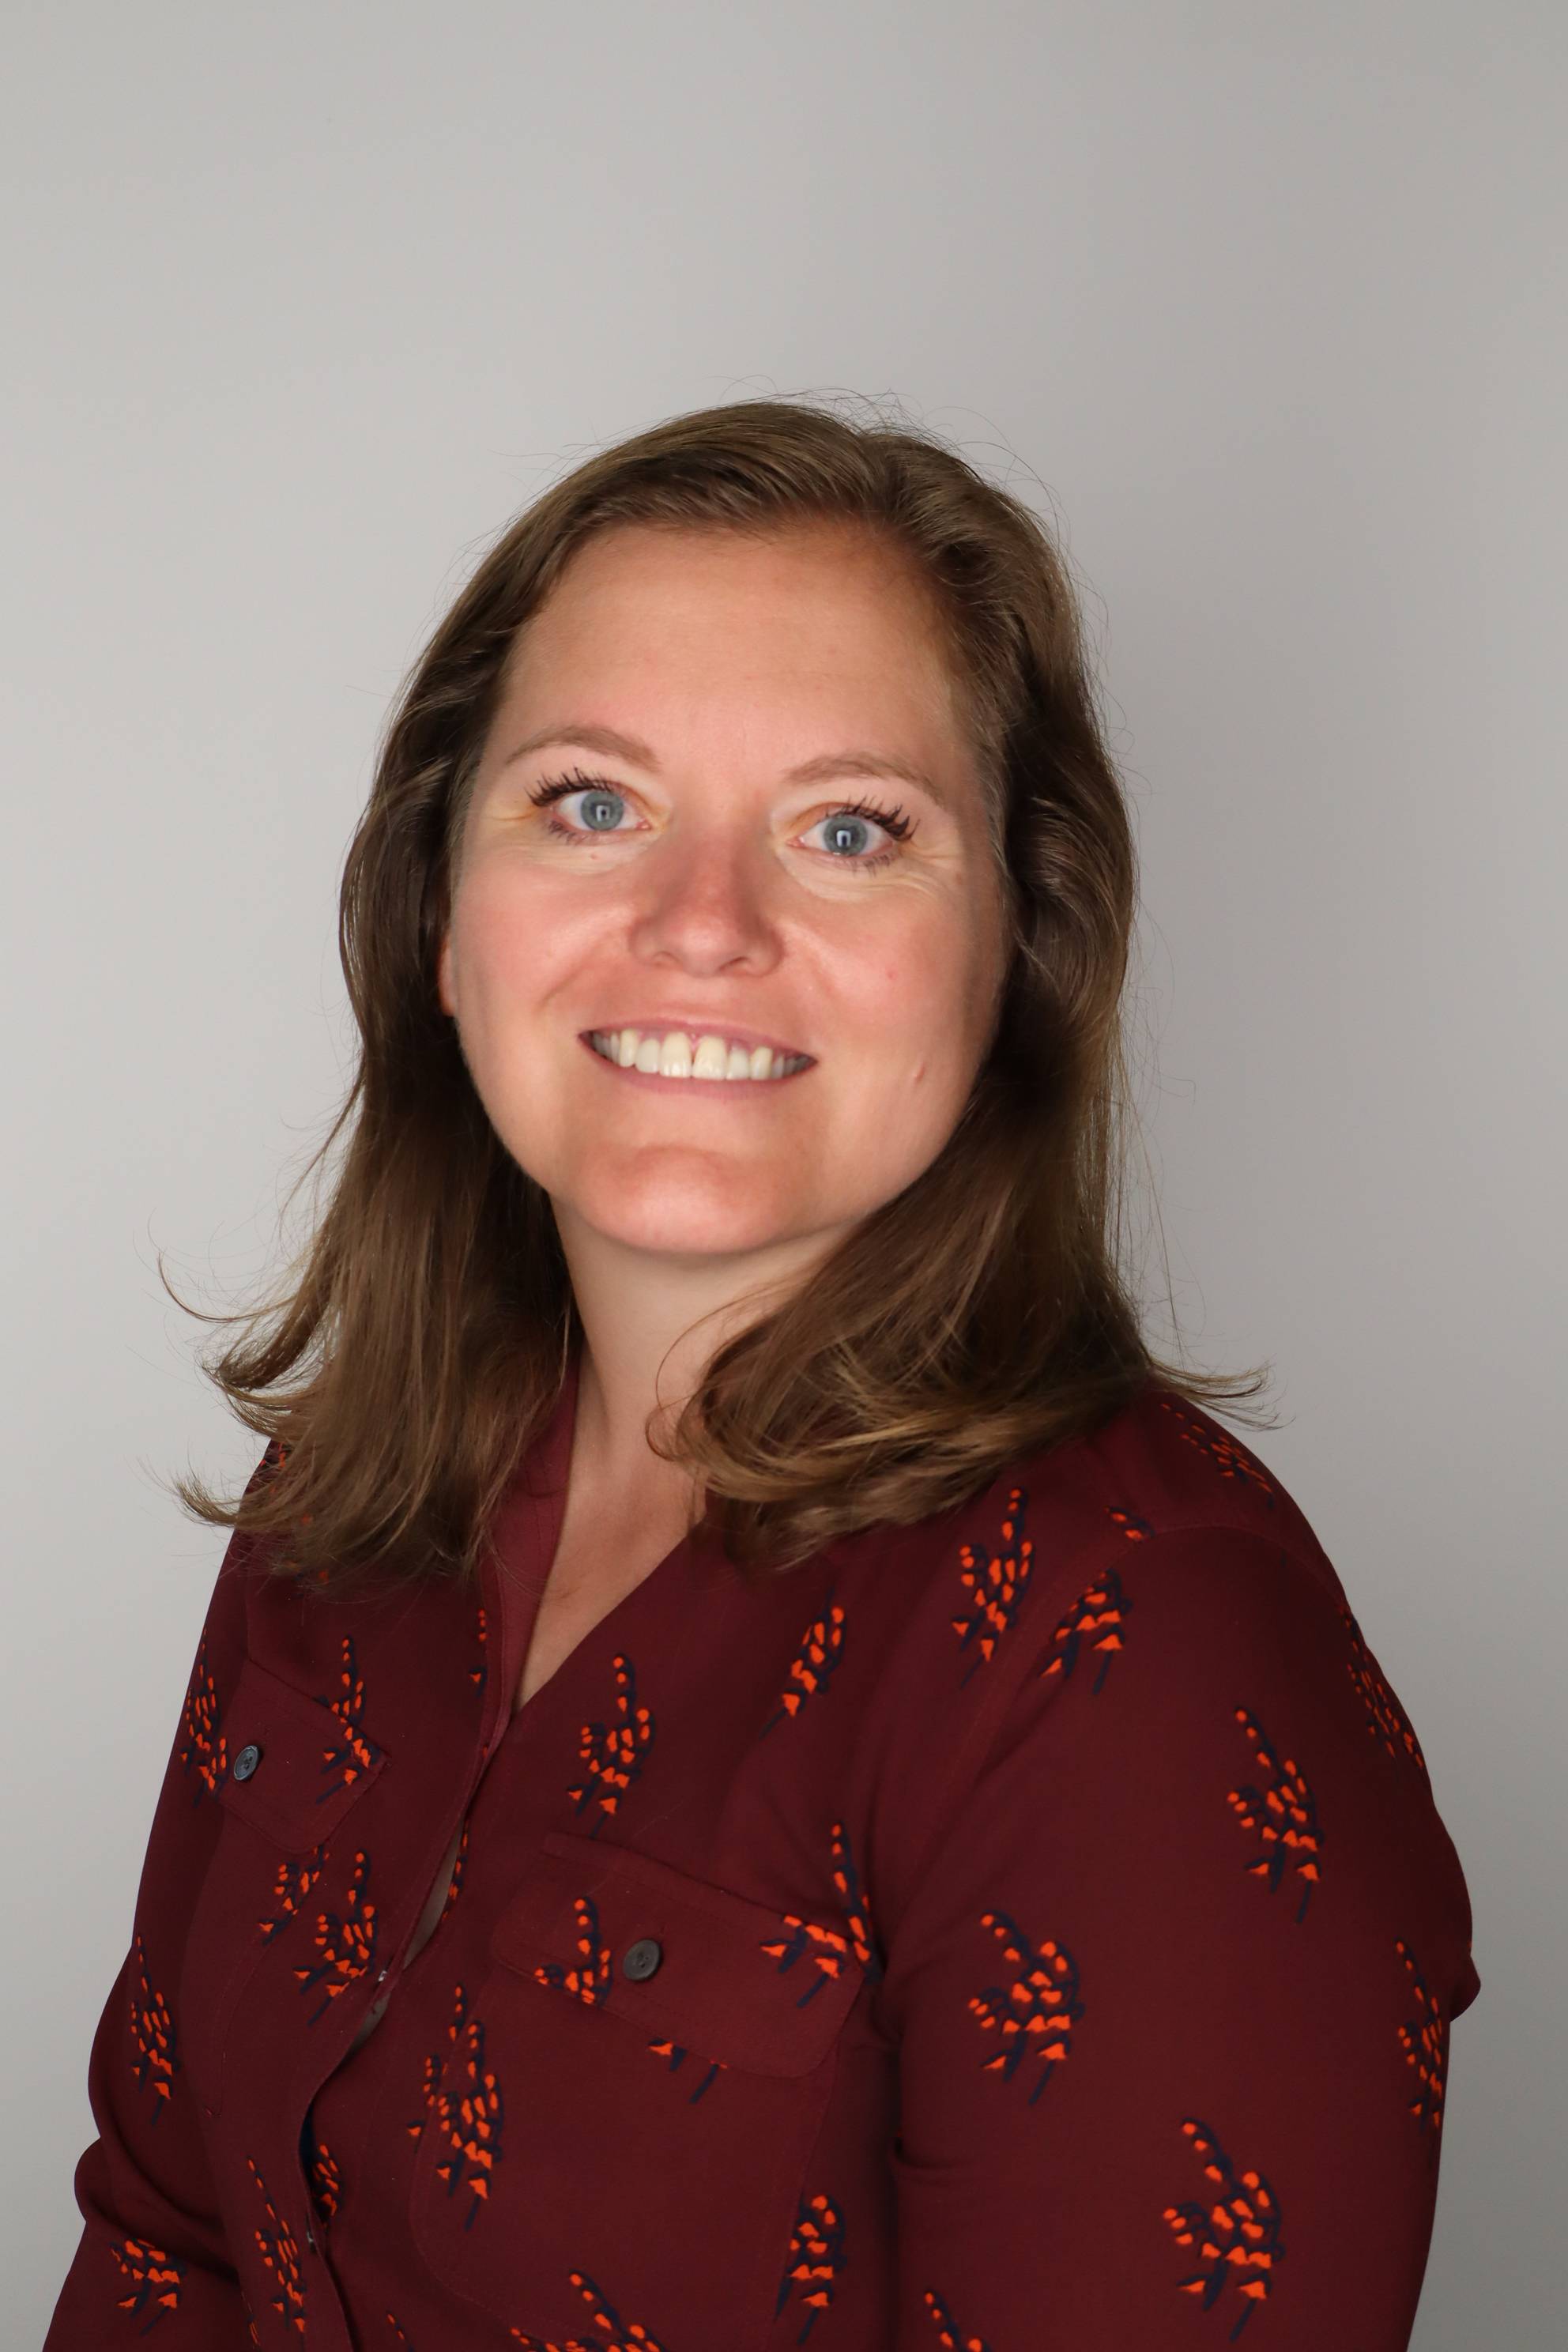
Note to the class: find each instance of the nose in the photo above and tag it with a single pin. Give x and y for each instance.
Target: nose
(708, 902)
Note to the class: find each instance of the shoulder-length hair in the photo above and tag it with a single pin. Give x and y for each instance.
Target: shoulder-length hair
(421, 1335)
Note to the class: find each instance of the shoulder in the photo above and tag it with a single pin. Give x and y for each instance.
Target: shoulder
(1160, 1493)
(1140, 1623)
(1115, 1575)
(1158, 1468)
(281, 1620)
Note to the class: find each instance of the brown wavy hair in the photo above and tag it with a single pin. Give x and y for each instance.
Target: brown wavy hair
(421, 1336)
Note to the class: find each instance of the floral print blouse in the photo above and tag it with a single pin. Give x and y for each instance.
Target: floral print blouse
(1029, 1931)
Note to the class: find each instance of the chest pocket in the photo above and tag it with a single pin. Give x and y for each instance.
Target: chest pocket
(632, 2097)
(288, 1883)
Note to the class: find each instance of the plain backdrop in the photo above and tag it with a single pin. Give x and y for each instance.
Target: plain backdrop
(1262, 307)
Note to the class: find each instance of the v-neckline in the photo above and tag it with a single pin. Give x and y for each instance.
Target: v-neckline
(607, 1618)
(528, 1529)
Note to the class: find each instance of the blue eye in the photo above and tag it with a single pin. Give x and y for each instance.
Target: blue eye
(554, 788)
(557, 786)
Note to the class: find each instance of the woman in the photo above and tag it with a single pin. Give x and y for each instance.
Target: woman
(918, 1854)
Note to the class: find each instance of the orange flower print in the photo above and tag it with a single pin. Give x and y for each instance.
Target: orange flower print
(346, 1942)
(591, 1981)
(205, 1751)
(281, 2253)
(324, 2178)
(477, 1673)
(353, 1752)
(678, 2053)
(1231, 1460)
(1237, 2237)
(295, 1877)
(611, 1754)
(155, 2278)
(1424, 2041)
(468, 2110)
(615, 2334)
(814, 2259)
(996, 1588)
(947, 2329)
(1037, 2009)
(152, 2036)
(858, 1917)
(435, 2065)
(1385, 1721)
(469, 2116)
(814, 1664)
(459, 1862)
(1096, 1619)
(827, 1948)
(1037, 2013)
(1285, 1817)
(1132, 1524)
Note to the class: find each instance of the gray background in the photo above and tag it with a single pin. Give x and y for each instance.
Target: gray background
(1262, 306)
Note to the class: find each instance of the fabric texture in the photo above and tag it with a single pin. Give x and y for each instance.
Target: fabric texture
(1029, 1931)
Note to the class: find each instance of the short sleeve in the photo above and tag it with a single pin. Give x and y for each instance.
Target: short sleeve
(1173, 1985)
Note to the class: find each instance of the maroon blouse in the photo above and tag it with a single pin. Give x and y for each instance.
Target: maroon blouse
(1029, 1931)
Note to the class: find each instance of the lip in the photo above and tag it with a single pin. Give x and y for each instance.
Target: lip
(699, 1024)
(687, 1086)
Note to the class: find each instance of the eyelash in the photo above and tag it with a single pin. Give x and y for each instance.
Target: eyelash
(892, 821)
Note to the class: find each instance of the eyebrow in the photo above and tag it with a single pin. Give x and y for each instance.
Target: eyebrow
(617, 746)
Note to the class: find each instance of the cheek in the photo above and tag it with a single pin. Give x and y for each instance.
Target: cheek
(498, 952)
(915, 1004)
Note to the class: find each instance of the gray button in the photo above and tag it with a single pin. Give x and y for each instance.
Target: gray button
(246, 1762)
(642, 1959)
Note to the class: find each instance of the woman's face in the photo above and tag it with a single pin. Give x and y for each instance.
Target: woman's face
(702, 884)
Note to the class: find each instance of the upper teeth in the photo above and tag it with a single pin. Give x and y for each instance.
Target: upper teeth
(679, 1053)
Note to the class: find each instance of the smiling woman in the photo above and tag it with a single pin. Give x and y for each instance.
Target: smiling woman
(707, 899)
(918, 1852)
(839, 784)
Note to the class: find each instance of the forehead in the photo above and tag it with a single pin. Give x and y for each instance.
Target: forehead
(816, 610)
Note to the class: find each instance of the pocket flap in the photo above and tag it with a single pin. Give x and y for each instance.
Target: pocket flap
(734, 1980)
(310, 1762)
